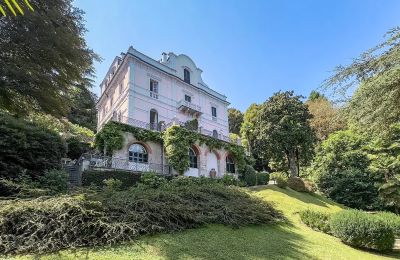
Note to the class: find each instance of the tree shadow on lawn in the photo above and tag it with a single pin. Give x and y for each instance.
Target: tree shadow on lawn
(309, 198)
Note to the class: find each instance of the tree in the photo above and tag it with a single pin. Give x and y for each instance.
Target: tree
(341, 171)
(248, 126)
(43, 57)
(235, 119)
(283, 130)
(83, 111)
(326, 118)
(314, 95)
(376, 77)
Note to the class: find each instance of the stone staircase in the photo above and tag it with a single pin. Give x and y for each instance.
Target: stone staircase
(74, 174)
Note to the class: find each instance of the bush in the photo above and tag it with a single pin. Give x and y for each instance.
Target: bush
(25, 147)
(43, 225)
(280, 178)
(112, 185)
(393, 220)
(229, 179)
(316, 220)
(9, 188)
(361, 229)
(249, 176)
(76, 148)
(54, 180)
(97, 178)
(152, 180)
(297, 184)
(262, 178)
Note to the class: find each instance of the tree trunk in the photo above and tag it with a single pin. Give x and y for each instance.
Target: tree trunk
(292, 163)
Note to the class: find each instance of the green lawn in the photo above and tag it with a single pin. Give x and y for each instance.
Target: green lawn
(289, 241)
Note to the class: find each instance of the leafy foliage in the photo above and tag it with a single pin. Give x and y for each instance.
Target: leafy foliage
(280, 178)
(27, 148)
(360, 229)
(283, 130)
(235, 119)
(76, 148)
(326, 119)
(97, 178)
(54, 180)
(152, 180)
(248, 126)
(42, 65)
(341, 171)
(376, 75)
(107, 218)
(316, 220)
(83, 110)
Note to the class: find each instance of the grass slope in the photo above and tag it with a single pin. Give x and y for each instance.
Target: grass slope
(289, 241)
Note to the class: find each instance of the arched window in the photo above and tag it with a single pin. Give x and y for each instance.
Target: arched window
(186, 75)
(137, 153)
(215, 133)
(153, 119)
(193, 158)
(230, 165)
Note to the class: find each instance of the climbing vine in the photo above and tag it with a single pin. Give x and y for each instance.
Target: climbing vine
(177, 141)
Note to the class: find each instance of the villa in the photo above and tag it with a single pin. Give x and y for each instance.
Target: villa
(145, 93)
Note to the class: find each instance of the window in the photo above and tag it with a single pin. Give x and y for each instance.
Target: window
(230, 165)
(215, 134)
(188, 98)
(214, 112)
(186, 75)
(153, 119)
(153, 89)
(193, 158)
(137, 153)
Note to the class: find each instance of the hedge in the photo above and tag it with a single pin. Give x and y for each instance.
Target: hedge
(361, 229)
(316, 220)
(128, 179)
(27, 148)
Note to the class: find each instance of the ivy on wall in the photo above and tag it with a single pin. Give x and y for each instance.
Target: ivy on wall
(177, 141)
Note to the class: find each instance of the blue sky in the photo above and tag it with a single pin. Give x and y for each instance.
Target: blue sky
(247, 50)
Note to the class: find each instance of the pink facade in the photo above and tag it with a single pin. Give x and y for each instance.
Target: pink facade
(146, 93)
(137, 85)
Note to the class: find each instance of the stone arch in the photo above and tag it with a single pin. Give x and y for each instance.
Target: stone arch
(146, 146)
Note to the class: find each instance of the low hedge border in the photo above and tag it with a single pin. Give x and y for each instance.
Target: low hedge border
(96, 177)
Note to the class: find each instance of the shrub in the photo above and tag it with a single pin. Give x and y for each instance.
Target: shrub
(9, 188)
(152, 180)
(361, 229)
(97, 178)
(229, 179)
(393, 220)
(280, 178)
(76, 148)
(316, 220)
(112, 185)
(42, 225)
(54, 180)
(262, 178)
(25, 147)
(297, 184)
(249, 176)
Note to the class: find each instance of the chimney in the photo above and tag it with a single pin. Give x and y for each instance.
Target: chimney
(164, 57)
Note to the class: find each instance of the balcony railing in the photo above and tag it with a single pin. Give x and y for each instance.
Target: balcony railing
(189, 107)
(106, 162)
(161, 127)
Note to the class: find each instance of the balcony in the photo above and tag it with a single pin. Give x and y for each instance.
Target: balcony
(188, 107)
